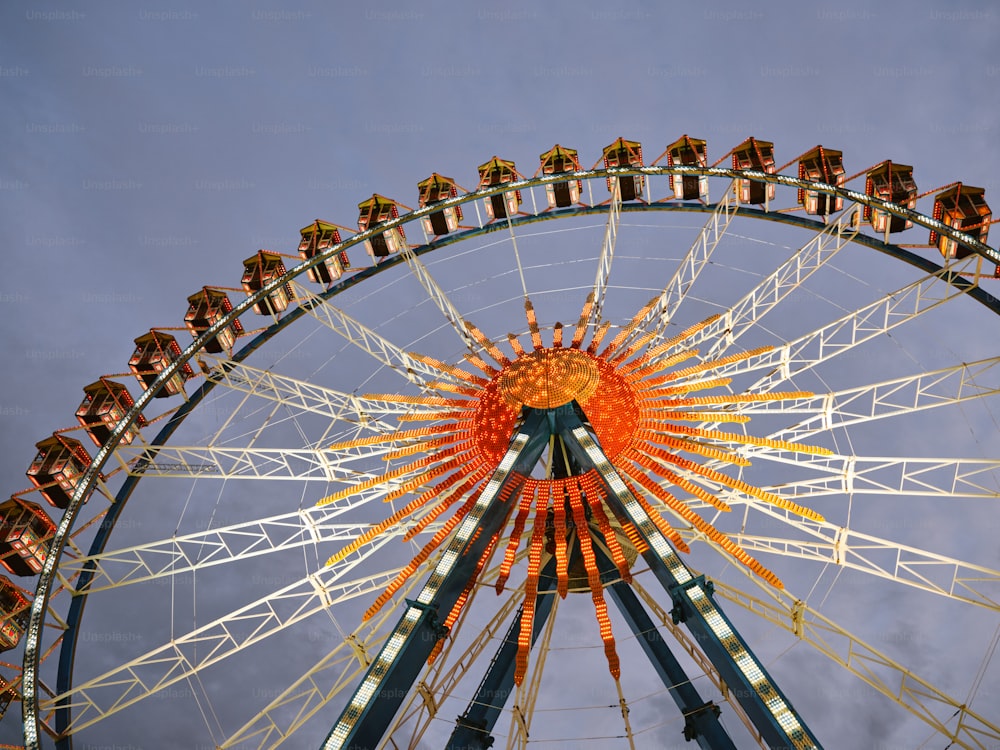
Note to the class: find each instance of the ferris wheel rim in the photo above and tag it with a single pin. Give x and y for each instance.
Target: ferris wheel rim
(197, 346)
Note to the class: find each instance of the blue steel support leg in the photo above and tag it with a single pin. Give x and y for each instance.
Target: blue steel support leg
(701, 719)
(766, 706)
(476, 724)
(391, 675)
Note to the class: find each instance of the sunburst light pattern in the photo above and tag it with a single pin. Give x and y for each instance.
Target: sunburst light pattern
(646, 407)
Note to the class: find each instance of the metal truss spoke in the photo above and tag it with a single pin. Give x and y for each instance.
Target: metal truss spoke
(192, 552)
(304, 396)
(284, 716)
(97, 698)
(607, 252)
(380, 348)
(871, 475)
(851, 330)
(438, 297)
(212, 462)
(910, 566)
(772, 290)
(694, 261)
(889, 398)
(964, 727)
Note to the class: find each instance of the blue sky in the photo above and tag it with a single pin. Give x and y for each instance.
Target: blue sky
(150, 148)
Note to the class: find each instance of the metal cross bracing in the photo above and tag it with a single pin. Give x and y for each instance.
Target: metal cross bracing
(473, 728)
(607, 253)
(330, 677)
(439, 297)
(381, 349)
(326, 678)
(876, 475)
(187, 553)
(909, 566)
(946, 386)
(442, 678)
(305, 396)
(219, 462)
(850, 330)
(694, 261)
(747, 313)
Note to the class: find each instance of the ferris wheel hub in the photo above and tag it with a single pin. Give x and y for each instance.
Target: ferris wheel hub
(549, 378)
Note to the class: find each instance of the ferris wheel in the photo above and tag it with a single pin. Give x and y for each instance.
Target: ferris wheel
(616, 456)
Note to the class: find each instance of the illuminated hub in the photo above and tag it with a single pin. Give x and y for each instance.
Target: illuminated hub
(641, 402)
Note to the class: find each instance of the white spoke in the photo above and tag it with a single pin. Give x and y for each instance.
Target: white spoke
(849, 331)
(607, 252)
(438, 297)
(910, 566)
(691, 266)
(97, 698)
(211, 462)
(165, 558)
(302, 395)
(908, 477)
(380, 348)
(770, 292)
(889, 398)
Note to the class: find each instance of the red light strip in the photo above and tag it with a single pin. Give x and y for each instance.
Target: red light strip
(594, 499)
(528, 494)
(594, 580)
(626, 331)
(530, 592)
(581, 324)
(557, 500)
